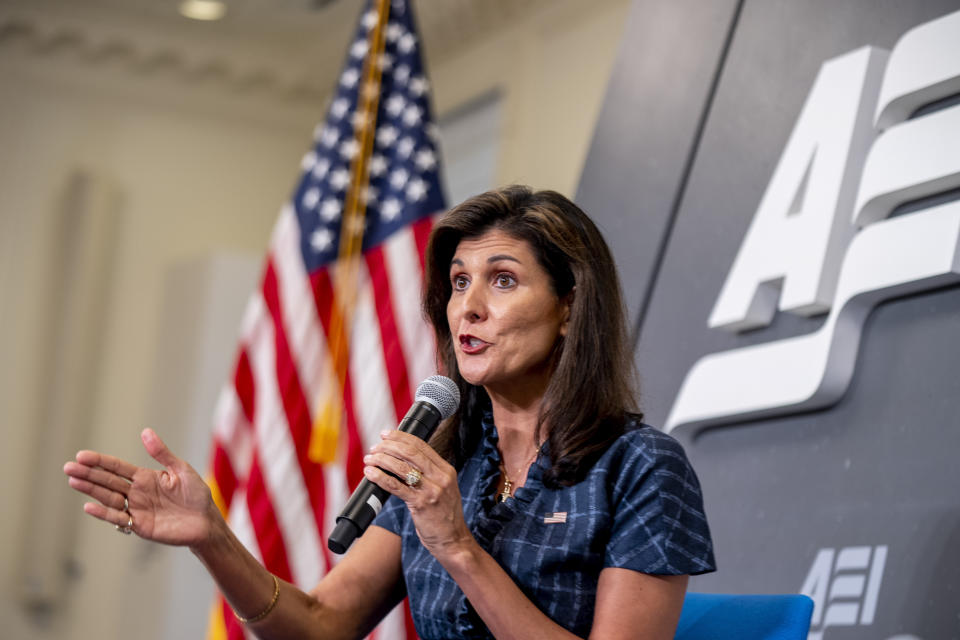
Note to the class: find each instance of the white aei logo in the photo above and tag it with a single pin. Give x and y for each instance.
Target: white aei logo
(844, 586)
(822, 239)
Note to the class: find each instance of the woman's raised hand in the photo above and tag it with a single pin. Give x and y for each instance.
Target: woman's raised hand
(172, 506)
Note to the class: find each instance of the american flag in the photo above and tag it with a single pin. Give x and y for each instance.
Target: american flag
(333, 344)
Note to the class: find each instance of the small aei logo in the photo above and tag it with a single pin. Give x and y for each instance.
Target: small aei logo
(844, 585)
(849, 218)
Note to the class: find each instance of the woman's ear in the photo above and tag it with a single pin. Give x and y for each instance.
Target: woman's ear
(566, 304)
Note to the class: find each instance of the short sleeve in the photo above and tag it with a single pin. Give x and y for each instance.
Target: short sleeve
(392, 516)
(659, 525)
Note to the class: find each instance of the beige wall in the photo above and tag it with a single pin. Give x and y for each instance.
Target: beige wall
(192, 173)
(188, 184)
(552, 72)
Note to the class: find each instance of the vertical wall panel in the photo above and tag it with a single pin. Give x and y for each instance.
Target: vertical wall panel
(83, 257)
(647, 128)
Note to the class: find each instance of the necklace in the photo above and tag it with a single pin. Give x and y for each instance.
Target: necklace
(507, 483)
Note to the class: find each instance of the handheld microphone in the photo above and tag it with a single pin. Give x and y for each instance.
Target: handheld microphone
(437, 398)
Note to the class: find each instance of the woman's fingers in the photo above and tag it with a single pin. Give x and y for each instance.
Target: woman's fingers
(158, 450)
(112, 464)
(106, 496)
(96, 475)
(400, 453)
(385, 481)
(377, 466)
(409, 449)
(425, 492)
(389, 463)
(118, 517)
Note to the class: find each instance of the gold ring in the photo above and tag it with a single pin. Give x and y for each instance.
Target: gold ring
(413, 477)
(128, 528)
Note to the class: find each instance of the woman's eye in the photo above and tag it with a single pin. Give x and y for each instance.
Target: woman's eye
(505, 280)
(459, 283)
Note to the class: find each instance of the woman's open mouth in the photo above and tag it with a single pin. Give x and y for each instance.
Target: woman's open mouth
(472, 344)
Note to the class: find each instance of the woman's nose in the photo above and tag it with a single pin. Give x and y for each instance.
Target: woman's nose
(473, 304)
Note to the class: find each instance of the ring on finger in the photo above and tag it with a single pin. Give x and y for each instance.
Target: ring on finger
(412, 479)
(126, 504)
(127, 528)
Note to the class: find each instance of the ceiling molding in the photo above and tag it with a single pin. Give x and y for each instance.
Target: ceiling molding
(286, 53)
(134, 54)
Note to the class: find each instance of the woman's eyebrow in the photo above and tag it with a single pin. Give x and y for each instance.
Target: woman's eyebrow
(496, 258)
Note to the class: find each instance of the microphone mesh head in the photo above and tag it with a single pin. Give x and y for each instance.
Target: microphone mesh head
(441, 392)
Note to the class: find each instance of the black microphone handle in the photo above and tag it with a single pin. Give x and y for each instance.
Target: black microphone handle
(368, 498)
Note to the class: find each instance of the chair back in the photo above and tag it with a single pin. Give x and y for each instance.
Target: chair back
(718, 616)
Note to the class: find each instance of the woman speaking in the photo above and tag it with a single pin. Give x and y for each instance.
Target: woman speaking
(543, 509)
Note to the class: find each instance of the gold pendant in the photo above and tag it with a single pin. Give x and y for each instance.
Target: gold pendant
(506, 490)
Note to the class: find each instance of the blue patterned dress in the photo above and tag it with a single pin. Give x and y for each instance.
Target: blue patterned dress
(639, 507)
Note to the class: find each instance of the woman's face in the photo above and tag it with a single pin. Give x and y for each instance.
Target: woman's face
(503, 314)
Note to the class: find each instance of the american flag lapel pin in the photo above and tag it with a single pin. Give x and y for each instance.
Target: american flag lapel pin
(554, 518)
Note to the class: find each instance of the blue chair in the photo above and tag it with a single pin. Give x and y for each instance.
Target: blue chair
(718, 616)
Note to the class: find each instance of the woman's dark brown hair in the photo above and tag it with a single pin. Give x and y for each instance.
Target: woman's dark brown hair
(592, 385)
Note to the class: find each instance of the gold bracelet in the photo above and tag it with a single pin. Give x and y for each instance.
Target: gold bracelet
(263, 614)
